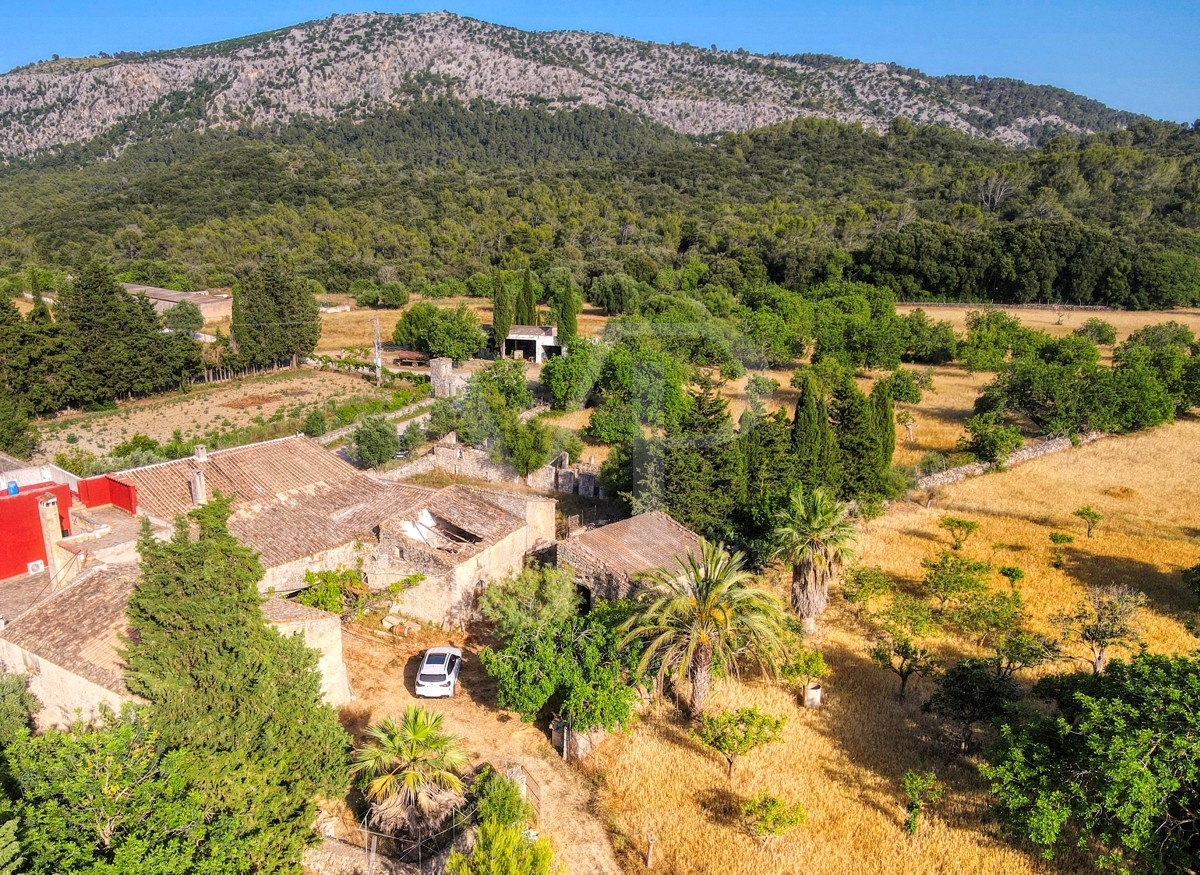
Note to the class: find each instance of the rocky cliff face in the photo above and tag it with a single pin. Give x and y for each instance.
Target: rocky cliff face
(353, 64)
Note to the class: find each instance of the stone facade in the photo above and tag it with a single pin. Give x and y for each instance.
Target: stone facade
(65, 696)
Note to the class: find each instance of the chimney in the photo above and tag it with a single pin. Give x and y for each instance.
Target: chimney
(201, 453)
(199, 488)
(51, 531)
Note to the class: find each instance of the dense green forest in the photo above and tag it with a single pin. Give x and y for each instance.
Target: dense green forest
(443, 191)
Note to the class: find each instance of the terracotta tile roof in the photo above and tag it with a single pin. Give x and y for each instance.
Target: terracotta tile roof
(277, 611)
(8, 463)
(80, 628)
(254, 472)
(470, 509)
(630, 547)
(320, 517)
(292, 497)
(20, 592)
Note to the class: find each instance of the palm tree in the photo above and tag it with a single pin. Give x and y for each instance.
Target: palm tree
(704, 618)
(813, 535)
(412, 769)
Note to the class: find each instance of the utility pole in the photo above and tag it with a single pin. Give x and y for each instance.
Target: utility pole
(378, 353)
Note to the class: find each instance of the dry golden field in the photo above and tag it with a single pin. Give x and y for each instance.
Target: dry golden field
(844, 762)
(1125, 321)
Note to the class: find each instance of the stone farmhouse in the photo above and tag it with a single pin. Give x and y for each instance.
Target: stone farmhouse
(301, 507)
(533, 343)
(211, 304)
(295, 503)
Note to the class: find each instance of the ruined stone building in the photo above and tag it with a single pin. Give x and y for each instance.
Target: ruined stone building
(608, 559)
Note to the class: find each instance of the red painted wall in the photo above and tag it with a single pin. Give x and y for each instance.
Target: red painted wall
(21, 527)
(103, 490)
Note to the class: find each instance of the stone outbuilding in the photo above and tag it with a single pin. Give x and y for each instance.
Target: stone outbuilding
(608, 559)
(535, 343)
(70, 646)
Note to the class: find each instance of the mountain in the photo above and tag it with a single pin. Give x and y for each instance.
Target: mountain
(355, 67)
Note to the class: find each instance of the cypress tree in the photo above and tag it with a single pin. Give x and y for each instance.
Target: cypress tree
(275, 317)
(239, 701)
(526, 307)
(860, 445)
(885, 422)
(813, 441)
(703, 480)
(502, 310)
(568, 313)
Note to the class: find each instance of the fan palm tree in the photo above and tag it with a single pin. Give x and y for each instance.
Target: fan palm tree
(706, 616)
(412, 770)
(813, 535)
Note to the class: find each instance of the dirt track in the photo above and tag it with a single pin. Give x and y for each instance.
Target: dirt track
(381, 678)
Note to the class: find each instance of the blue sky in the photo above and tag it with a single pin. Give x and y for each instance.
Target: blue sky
(1140, 56)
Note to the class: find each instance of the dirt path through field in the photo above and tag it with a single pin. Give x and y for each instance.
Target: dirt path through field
(381, 677)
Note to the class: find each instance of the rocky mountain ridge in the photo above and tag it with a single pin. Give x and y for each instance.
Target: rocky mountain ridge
(356, 64)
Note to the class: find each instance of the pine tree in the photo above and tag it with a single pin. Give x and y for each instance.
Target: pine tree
(503, 310)
(241, 700)
(526, 305)
(813, 441)
(860, 445)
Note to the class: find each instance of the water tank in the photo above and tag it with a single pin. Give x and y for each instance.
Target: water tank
(13, 488)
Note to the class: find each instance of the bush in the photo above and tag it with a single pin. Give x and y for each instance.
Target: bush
(315, 424)
(502, 850)
(768, 816)
(374, 443)
(989, 440)
(1097, 331)
(498, 800)
(539, 596)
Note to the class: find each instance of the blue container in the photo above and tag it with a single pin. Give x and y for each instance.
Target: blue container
(13, 489)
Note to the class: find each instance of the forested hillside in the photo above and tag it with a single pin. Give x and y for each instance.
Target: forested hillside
(449, 192)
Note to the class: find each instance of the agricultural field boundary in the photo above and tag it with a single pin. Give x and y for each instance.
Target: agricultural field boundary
(1025, 454)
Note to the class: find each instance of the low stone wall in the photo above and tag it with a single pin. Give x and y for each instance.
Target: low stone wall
(1025, 454)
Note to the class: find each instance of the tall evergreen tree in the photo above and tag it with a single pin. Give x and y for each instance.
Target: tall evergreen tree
(526, 305)
(860, 445)
(813, 441)
(702, 472)
(276, 319)
(107, 322)
(770, 464)
(567, 306)
(503, 310)
(243, 701)
(885, 423)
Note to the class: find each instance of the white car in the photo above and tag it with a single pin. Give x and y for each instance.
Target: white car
(437, 677)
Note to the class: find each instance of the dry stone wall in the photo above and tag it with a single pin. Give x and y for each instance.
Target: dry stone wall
(1025, 454)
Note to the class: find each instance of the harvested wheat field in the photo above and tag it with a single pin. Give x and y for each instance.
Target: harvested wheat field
(1048, 320)
(844, 762)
